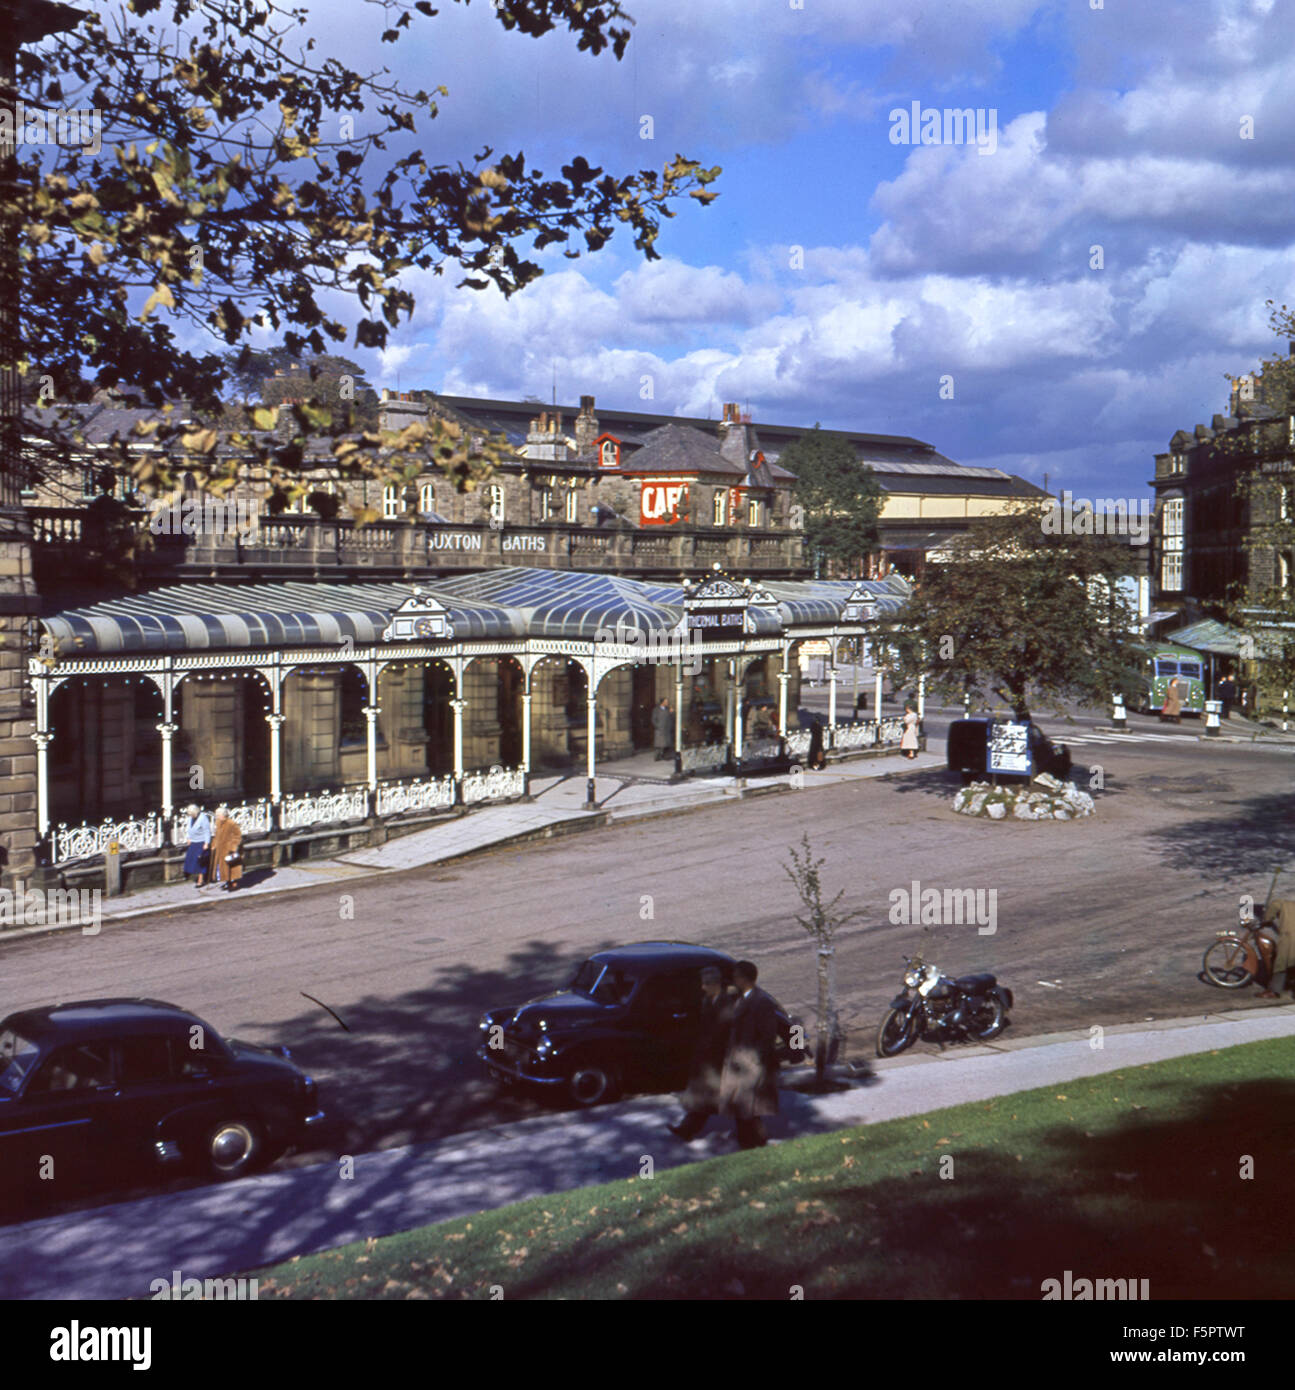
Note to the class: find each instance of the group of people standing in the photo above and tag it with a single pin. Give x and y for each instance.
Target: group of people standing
(735, 1066)
(214, 852)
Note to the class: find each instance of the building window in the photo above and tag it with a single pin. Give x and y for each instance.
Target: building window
(573, 505)
(427, 498)
(89, 483)
(753, 512)
(495, 498)
(546, 504)
(1171, 532)
(1283, 571)
(392, 502)
(610, 454)
(717, 513)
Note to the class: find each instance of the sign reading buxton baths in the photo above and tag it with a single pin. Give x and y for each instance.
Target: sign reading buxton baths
(474, 540)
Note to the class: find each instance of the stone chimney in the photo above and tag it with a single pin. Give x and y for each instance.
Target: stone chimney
(735, 436)
(586, 427)
(397, 411)
(546, 440)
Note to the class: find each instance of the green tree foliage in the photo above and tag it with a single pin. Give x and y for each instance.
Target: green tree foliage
(1019, 613)
(241, 180)
(840, 500)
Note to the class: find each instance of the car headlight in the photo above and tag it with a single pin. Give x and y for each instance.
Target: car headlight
(484, 1023)
(544, 1047)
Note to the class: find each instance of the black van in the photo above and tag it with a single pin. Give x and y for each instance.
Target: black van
(968, 752)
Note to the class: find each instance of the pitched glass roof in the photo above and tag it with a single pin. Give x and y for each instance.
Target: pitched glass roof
(505, 603)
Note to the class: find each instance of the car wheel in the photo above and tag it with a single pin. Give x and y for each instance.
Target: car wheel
(592, 1084)
(232, 1148)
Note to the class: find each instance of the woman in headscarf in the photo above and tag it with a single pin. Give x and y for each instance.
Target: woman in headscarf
(1173, 706)
(226, 850)
(198, 835)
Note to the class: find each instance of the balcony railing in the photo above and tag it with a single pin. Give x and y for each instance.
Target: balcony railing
(310, 544)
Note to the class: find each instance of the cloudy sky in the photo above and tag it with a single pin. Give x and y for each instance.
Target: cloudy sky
(1078, 286)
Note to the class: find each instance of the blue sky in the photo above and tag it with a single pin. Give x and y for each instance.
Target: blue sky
(1117, 127)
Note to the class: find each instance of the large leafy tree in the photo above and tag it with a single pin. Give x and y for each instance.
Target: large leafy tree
(1022, 614)
(1264, 604)
(839, 498)
(242, 180)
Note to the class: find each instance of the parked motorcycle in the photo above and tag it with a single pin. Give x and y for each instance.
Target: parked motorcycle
(938, 1008)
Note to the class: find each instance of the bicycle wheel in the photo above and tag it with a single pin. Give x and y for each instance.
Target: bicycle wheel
(1225, 963)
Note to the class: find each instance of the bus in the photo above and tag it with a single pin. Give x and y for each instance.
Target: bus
(1164, 660)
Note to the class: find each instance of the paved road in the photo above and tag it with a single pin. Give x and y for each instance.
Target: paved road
(1102, 921)
(118, 1251)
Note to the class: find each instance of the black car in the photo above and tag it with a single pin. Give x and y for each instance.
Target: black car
(136, 1086)
(627, 1022)
(968, 751)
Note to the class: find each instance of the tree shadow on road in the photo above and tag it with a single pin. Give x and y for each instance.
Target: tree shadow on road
(1243, 844)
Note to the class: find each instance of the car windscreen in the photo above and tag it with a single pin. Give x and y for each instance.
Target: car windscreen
(17, 1057)
(1191, 669)
(603, 983)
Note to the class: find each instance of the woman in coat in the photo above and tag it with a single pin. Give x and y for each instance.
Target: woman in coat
(908, 740)
(816, 759)
(227, 850)
(198, 835)
(1173, 706)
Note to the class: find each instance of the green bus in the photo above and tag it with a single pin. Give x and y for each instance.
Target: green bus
(1165, 660)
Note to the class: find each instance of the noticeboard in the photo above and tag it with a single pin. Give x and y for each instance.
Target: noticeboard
(1009, 748)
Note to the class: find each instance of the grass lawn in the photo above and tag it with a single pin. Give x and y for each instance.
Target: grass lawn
(1137, 1174)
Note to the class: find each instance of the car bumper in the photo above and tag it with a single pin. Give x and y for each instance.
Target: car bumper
(514, 1072)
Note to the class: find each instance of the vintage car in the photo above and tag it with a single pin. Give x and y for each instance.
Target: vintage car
(627, 1022)
(134, 1087)
(968, 748)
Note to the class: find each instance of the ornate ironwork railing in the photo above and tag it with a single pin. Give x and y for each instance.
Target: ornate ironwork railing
(86, 841)
(423, 794)
(757, 749)
(798, 742)
(707, 757)
(860, 735)
(253, 817)
(493, 784)
(323, 808)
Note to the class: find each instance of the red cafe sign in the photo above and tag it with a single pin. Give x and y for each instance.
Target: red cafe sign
(663, 503)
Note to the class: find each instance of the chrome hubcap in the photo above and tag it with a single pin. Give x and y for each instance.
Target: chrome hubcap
(230, 1145)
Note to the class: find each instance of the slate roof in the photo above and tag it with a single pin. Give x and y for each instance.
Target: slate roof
(681, 449)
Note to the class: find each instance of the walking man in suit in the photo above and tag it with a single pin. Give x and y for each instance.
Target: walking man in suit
(749, 1085)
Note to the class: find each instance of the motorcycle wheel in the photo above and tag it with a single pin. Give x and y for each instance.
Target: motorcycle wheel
(895, 1034)
(988, 1020)
(1224, 964)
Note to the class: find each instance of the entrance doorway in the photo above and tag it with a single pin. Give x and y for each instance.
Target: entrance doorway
(642, 700)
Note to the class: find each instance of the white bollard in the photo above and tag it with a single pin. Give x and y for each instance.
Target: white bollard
(1212, 709)
(1119, 715)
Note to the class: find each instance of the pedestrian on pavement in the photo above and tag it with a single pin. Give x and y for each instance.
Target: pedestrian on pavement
(1227, 693)
(1173, 705)
(1282, 914)
(749, 1084)
(908, 740)
(701, 1098)
(227, 850)
(197, 855)
(816, 760)
(663, 729)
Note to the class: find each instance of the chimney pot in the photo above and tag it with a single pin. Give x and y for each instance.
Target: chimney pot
(587, 402)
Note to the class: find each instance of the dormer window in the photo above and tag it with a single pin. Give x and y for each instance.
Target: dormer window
(609, 452)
